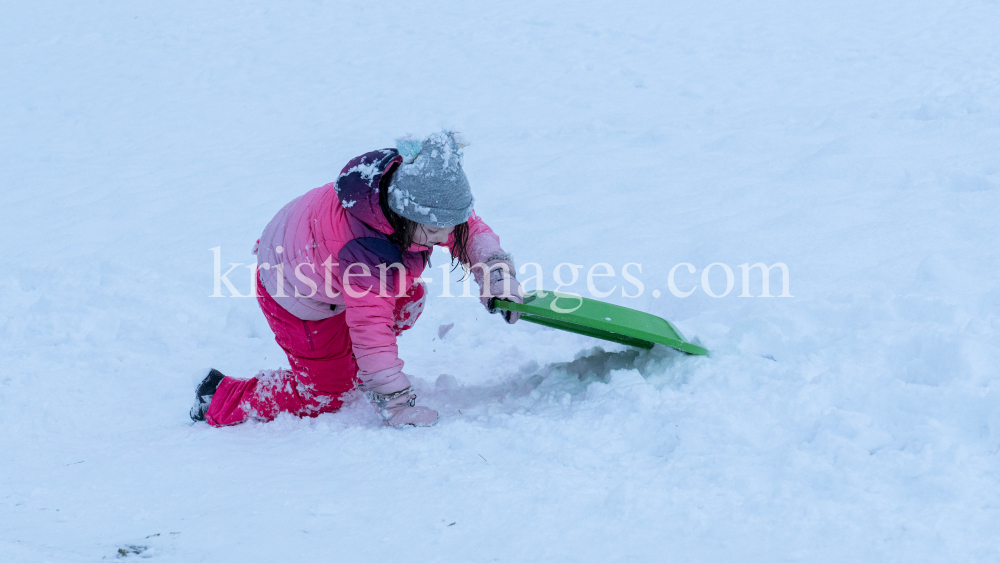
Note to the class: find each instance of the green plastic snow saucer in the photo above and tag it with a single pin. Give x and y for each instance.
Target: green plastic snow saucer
(599, 320)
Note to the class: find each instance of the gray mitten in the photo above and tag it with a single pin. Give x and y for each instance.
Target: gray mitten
(399, 409)
(499, 283)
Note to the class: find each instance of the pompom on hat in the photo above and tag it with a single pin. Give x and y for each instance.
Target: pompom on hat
(430, 187)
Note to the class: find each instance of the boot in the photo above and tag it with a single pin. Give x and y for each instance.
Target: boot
(204, 393)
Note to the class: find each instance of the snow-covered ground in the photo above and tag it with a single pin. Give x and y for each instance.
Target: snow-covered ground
(856, 142)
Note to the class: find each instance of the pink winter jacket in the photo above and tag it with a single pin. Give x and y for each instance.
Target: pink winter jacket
(305, 250)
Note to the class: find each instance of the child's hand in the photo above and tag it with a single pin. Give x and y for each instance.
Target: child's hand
(413, 416)
(399, 409)
(502, 285)
(509, 316)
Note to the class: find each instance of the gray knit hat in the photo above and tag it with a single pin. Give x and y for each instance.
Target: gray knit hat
(429, 187)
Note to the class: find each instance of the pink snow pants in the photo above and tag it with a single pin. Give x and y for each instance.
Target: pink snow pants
(323, 366)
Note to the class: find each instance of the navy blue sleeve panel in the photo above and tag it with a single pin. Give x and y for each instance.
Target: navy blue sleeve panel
(372, 252)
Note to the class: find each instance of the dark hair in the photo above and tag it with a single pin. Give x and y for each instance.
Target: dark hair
(404, 229)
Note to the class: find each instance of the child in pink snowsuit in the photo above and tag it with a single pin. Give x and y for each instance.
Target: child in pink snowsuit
(338, 282)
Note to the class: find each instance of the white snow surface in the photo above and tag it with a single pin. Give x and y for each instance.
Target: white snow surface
(856, 142)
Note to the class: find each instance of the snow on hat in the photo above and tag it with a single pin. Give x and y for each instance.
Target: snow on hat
(429, 187)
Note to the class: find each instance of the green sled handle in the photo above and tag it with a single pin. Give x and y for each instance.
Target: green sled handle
(597, 319)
